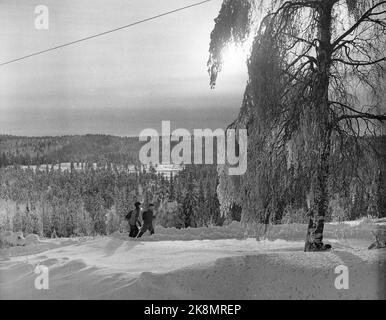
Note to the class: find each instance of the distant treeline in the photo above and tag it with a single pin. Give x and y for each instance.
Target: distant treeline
(100, 149)
(51, 150)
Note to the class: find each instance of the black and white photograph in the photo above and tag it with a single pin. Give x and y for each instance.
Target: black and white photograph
(188, 150)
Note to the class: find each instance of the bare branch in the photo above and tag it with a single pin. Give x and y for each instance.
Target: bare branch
(360, 63)
(363, 116)
(366, 15)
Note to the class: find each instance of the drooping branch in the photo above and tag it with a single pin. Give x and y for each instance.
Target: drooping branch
(232, 25)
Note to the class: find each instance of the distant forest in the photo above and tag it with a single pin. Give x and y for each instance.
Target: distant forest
(53, 203)
(51, 150)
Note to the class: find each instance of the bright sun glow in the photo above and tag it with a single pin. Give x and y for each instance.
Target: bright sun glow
(235, 57)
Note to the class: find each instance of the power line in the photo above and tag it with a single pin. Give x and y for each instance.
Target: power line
(105, 32)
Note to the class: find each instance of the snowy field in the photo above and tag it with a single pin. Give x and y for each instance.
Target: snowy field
(205, 263)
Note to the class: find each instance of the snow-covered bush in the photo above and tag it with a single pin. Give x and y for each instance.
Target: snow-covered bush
(338, 209)
(83, 223)
(113, 220)
(169, 215)
(32, 223)
(7, 212)
(294, 215)
(11, 239)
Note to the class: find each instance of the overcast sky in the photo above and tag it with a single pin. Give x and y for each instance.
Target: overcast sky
(117, 84)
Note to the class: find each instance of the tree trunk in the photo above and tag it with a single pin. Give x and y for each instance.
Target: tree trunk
(314, 239)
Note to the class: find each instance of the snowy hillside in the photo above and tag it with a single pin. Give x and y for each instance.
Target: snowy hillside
(204, 263)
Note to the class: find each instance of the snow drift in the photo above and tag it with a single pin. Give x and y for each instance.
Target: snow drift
(204, 263)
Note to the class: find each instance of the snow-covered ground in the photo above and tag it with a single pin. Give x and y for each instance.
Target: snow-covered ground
(205, 263)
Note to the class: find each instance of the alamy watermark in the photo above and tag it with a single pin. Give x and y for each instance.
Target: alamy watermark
(42, 280)
(341, 281)
(42, 21)
(189, 148)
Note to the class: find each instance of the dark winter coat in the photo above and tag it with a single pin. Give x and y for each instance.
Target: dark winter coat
(148, 217)
(133, 217)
